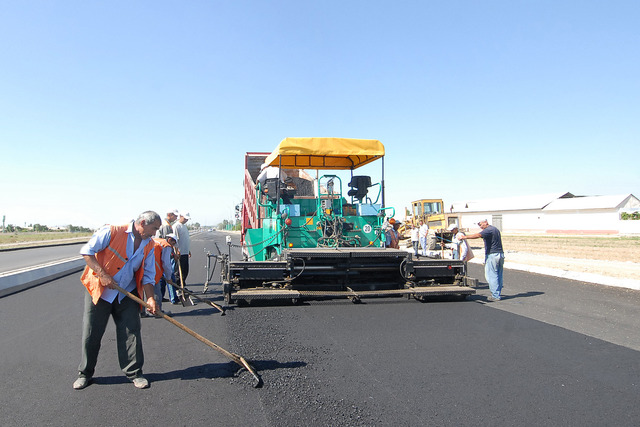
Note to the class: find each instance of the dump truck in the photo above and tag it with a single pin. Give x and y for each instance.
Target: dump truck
(316, 230)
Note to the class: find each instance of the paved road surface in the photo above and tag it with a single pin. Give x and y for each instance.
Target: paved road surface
(14, 260)
(533, 359)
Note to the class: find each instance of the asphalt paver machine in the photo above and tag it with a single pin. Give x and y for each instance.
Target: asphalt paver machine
(315, 229)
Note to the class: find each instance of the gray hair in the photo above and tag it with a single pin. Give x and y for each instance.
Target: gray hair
(149, 217)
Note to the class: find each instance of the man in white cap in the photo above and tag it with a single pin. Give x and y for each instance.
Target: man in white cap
(184, 247)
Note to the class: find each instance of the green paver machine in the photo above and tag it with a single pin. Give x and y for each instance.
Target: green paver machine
(311, 237)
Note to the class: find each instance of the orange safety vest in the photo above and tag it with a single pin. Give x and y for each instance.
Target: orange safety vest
(112, 259)
(159, 245)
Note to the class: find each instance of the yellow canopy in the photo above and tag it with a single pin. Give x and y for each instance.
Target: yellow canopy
(325, 153)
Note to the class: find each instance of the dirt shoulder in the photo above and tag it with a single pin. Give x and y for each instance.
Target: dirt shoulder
(596, 248)
(608, 256)
(10, 241)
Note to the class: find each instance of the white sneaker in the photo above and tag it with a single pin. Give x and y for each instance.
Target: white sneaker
(140, 382)
(81, 383)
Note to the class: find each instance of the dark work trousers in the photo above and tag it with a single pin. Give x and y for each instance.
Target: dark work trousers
(184, 265)
(126, 315)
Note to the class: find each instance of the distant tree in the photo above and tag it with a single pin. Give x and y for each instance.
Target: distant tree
(39, 228)
(78, 229)
(626, 216)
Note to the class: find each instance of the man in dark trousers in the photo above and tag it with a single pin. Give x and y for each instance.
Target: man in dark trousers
(121, 255)
(184, 247)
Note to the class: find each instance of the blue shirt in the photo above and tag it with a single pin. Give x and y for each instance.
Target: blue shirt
(125, 277)
(492, 240)
(165, 258)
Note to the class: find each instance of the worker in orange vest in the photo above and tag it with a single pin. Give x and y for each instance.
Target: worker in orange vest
(121, 255)
(163, 253)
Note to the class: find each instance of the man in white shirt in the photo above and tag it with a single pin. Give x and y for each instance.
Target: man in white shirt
(415, 239)
(423, 231)
(184, 246)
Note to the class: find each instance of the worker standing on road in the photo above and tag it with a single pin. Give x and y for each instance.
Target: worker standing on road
(454, 245)
(423, 231)
(461, 248)
(415, 239)
(184, 245)
(392, 237)
(166, 228)
(174, 259)
(121, 255)
(493, 258)
(163, 253)
(167, 224)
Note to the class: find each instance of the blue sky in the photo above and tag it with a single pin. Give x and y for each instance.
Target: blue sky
(111, 108)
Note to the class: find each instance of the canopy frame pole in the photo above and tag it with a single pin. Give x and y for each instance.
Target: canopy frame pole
(382, 182)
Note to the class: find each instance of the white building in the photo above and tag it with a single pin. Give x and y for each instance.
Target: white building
(560, 213)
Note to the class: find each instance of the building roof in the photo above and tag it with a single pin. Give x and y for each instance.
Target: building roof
(617, 201)
(534, 202)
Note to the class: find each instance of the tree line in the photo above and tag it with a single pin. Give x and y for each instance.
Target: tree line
(39, 228)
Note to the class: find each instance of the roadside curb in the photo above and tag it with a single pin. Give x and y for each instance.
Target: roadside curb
(19, 280)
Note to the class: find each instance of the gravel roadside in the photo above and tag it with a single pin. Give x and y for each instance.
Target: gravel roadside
(607, 270)
(607, 261)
